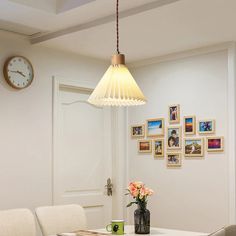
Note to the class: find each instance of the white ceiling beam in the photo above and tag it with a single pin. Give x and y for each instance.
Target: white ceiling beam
(18, 28)
(100, 21)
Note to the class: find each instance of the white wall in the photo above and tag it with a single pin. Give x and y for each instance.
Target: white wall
(26, 121)
(26, 133)
(195, 197)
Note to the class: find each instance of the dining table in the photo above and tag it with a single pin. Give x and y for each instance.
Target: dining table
(129, 231)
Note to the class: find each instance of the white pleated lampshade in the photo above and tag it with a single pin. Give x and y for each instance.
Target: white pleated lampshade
(117, 88)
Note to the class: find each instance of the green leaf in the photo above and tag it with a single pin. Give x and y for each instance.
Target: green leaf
(131, 203)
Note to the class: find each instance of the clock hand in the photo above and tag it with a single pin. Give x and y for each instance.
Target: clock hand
(18, 72)
(21, 73)
(14, 71)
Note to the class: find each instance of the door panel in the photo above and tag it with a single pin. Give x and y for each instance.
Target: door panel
(82, 160)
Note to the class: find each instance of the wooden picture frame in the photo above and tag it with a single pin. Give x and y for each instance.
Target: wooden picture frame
(174, 160)
(189, 125)
(174, 138)
(174, 114)
(145, 146)
(215, 144)
(158, 148)
(194, 147)
(206, 126)
(137, 131)
(155, 127)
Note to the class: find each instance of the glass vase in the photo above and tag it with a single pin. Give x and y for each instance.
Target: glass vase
(142, 219)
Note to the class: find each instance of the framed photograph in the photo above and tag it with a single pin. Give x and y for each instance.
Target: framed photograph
(174, 137)
(193, 147)
(158, 147)
(206, 126)
(215, 144)
(144, 146)
(174, 114)
(189, 125)
(155, 127)
(174, 160)
(137, 131)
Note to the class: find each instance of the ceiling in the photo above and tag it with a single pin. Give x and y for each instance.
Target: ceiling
(148, 28)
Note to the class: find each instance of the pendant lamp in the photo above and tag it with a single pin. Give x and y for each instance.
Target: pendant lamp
(117, 86)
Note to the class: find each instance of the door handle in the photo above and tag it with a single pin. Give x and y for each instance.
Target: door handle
(109, 187)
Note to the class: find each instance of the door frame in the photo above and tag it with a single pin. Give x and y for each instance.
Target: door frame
(59, 82)
(118, 143)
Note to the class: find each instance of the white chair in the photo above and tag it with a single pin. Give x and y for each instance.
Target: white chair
(61, 219)
(17, 222)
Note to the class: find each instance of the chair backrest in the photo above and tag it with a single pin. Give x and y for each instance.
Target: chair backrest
(61, 219)
(230, 230)
(17, 222)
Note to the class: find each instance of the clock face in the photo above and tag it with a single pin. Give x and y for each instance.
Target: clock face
(18, 72)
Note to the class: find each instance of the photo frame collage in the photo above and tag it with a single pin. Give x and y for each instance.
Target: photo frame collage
(154, 137)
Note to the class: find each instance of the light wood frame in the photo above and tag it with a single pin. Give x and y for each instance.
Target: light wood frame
(150, 146)
(177, 120)
(162, 147)
(170, 165)
(192, 154)
(180, 137)
(194, 125)
(162, 129)
(137, 135)
(221, 149)
(206, 132)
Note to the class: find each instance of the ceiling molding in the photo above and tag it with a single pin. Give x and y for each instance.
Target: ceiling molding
(43, 5)
(100, 21)
(66, 5)
(18, 28)
(181, 55)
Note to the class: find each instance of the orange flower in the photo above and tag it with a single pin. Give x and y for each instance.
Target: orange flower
(149, 191)
(138, 191)
(138, 184)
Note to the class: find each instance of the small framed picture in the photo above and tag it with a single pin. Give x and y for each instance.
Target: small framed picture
(174, 160)
(189, 125)
(174, 137)
(155, 127)
(137, 131)
(215, 144)
(144, 146)
(193, 147)
(206, 126)
(174, 114)
(158, 147)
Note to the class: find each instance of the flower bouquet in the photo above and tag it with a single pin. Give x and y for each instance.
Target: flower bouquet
(141, 215)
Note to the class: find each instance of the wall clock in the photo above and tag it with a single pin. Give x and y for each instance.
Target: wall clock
(18, 72)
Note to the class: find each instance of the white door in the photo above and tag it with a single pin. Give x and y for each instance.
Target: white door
(82, 154)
